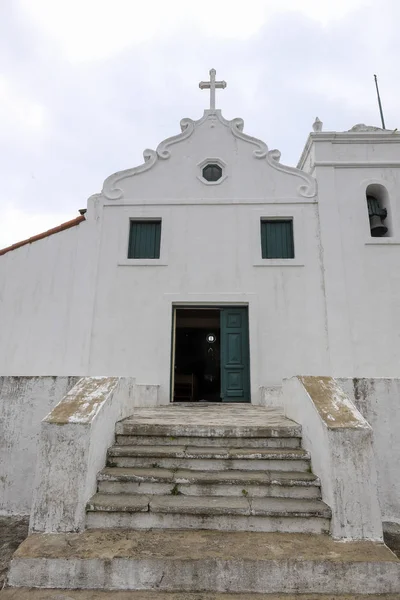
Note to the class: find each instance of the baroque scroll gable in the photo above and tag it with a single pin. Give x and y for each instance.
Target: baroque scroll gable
(113, 188)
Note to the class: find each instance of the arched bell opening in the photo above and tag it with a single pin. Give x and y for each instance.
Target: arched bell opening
(379, 213)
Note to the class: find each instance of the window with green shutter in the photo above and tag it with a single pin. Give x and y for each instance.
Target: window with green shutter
(144, 239)
(277, 238)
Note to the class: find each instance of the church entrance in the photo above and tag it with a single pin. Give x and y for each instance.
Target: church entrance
(210, 355)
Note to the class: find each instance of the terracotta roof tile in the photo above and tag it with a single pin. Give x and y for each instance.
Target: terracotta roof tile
(40, 236)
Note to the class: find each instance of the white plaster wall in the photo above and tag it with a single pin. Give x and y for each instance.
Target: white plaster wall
(361, 275)
(73, 303)
(46, 304)
(208, 258)
(24, 402)
(378, 400)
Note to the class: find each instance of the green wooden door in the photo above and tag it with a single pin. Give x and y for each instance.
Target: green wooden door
(235, 365)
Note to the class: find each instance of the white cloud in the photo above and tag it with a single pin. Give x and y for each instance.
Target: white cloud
(18, 225)
(97, 29)
(20, 111)
(87, 85)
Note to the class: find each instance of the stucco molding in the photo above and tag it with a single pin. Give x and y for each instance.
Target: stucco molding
(306, 190)
(111, 191)
(236, 126)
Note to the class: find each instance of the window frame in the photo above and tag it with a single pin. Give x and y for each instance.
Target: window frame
(278, 213)
(212, 161)
(147, 222)
(262, 242)
(143, 214)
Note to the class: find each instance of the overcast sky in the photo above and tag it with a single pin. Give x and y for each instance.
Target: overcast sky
(87, 85)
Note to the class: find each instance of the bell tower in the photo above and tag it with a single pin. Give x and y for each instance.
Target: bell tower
(358, 176)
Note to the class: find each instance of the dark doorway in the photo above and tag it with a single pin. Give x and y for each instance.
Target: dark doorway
(197, 368)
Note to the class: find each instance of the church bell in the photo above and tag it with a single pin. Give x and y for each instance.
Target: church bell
(378, 229)
(377, 215)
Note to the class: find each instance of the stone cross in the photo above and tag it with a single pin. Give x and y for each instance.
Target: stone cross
(212, 85)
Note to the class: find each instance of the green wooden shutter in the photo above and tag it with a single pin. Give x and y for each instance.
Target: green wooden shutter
(277, 239)
(144, 239)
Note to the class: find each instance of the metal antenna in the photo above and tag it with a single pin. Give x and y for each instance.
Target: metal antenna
(379, 102)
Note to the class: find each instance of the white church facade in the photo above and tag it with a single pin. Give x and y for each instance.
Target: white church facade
(212, 272)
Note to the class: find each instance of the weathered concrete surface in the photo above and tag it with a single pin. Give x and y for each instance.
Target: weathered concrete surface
(13, 531)
(206, 560)
(227, 522)
(221, 420)
(378, 401)
(332, 404)
(83, 402)
(117, 506)
(153, 481)
(209, 459)
(24, 402)
(296, 515)
(32, 594)
(73, 445)
(211, 442)
(198, 452)
(205, 505)
(340, 441)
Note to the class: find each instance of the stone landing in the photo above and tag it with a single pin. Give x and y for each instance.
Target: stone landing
(208, 561)
(205, 419)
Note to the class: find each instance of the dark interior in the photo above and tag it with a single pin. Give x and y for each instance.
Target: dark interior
(197, 374)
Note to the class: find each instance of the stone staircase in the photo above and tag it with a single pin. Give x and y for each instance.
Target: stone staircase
(203, 502)
(258, 481)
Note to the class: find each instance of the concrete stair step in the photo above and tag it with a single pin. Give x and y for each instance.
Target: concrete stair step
(203, 464)
(37, 594)
(206, 458)
(214, 442)
(136, 521)
(207, 505)
(295, 484)
(190, 451)
(220, 513)
(207, 561)
(136, 426)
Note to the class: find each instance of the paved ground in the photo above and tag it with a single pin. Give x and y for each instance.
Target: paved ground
(95, 595)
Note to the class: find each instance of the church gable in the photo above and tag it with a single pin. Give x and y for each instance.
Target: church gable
(212, 158)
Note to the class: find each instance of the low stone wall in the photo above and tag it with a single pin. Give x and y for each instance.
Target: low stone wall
(24, 402)
(378, 400)
(74, 440)
(340, 441)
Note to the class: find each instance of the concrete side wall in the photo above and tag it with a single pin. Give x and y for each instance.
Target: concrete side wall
(341, 445)
(378, 400)
(83, 421)
(24, 402)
